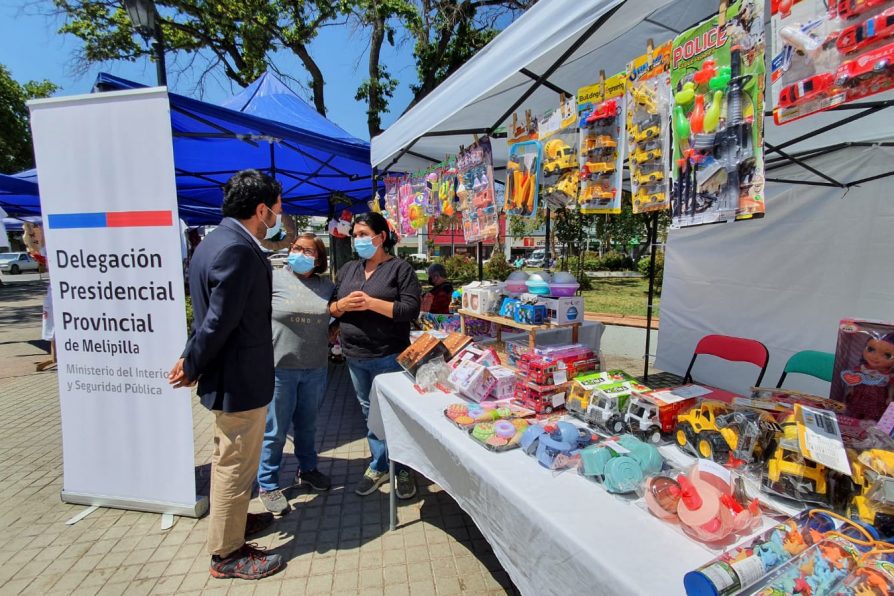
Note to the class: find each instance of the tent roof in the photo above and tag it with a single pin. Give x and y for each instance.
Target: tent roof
(268, 97)
(211, 143)
(568, 42)
(19, 194)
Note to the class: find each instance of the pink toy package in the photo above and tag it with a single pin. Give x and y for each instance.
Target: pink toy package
(863, 377)
(505, 378)
(472, 380)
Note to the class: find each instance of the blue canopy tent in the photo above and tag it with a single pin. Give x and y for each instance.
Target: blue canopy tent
(322, 168)
(19, 195)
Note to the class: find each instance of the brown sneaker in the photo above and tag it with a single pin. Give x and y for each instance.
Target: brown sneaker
(255, 523)
(249, 562)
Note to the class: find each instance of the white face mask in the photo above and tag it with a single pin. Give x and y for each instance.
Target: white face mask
(274, 230)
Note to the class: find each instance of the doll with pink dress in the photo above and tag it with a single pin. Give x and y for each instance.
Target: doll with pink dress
(869, 387)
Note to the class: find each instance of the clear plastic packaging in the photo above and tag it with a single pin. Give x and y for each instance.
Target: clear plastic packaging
(620, 464)
(556, 446)
(433, 374)
(728, 435)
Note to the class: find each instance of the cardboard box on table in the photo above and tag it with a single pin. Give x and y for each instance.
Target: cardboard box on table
(562, 311)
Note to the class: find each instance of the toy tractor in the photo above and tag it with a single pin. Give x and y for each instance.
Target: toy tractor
(789, 474)
(716, 432)
(558, 156)
(873, 501)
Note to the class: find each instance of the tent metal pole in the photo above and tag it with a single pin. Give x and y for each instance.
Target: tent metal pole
(653, 245)
(425, 157)
(829, 127)
(559, 62)
(802, 182)
(480, 262)
(316, 159)
(272, 159)
(797, 161)
(869, 179)
(546, 254)
(546, 83)
(211, 124)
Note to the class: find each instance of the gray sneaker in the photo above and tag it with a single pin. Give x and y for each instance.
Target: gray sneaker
(370, 482)
(275, 502)
(406, 485)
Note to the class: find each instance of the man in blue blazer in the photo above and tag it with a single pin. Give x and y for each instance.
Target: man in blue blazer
(230, 354)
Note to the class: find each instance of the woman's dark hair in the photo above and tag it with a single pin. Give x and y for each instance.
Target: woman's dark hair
(322, 257)
(378, 224)
(245, 190)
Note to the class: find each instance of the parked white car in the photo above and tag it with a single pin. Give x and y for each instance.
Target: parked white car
(14, 263)
(278, 259)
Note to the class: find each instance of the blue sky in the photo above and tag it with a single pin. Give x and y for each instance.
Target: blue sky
(32, 50)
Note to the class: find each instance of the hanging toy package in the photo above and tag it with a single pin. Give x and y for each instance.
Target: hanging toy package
(824, 57)
(433, 188)
(559, 176)
(648, 87)
(417, 210)
(523, 178)
(475, 190)
(717, 77)
(405, 202)
(600, 110)
(392, 183)
(447, 188)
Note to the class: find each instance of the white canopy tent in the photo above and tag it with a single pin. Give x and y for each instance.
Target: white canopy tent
(823, 171)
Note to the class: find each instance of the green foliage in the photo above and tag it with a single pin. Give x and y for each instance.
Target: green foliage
(614, 261)
(518, 225)
(16, 150)
(497, 267)
(188, 314)
(416, 262)
(242, 38)
(460, 268)
(643, 267)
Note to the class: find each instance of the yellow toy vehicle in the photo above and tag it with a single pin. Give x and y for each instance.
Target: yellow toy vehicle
(716, 431)
(647, 130)
(558, 156)
(643, 96)
(873, 502)
(598, 167)
(645, 197)
(568, 184)
(643, 178)
(599, 143)
(790, 474)
(644, 155)
(595, 192)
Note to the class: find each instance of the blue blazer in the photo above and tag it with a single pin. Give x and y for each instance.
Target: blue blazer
(230, 349)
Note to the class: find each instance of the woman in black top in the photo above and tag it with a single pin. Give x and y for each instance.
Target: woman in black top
(377, 297)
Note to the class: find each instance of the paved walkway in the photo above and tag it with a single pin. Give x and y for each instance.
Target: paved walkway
(335, 543)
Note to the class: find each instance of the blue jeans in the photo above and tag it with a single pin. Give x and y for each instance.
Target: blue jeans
(297, 395)
(363, 371)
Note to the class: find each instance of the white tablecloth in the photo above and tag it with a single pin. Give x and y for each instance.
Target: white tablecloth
(553, 534)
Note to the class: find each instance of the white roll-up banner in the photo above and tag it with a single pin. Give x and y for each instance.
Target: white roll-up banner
(106, 172)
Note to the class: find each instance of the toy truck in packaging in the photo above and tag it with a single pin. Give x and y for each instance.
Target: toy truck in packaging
(583, 386)
(713, 430)
(649, 416)
(542, 399)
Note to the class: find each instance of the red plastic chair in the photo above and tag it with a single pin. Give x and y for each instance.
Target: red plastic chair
(735, 349)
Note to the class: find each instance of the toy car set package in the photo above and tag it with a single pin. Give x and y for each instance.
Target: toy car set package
(600, 111)
(406, 203)
(648, 88)
(559, 174)
(475, 191)
(523, 178)
(828, 53)
(601, 399)
(717, 78)
(863, 376)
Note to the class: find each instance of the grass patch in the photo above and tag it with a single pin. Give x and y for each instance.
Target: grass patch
(623, 296)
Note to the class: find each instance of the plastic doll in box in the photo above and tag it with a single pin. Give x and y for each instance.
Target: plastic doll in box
(870, 387)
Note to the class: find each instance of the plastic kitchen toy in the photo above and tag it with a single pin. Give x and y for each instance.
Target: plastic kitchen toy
(555, 445)
(502, 435)
(717, 77)
(600, 110)
(709, 506)
(475, 191)
(620, 464)
(648, 87)
(825, 54)
(559, 179)
(714, 430)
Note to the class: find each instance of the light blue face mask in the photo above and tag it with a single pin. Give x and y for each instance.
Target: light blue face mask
(364, 247)
(273, 231)
(300, 262)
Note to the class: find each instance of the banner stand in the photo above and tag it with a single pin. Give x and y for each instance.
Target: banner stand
(199, 510)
